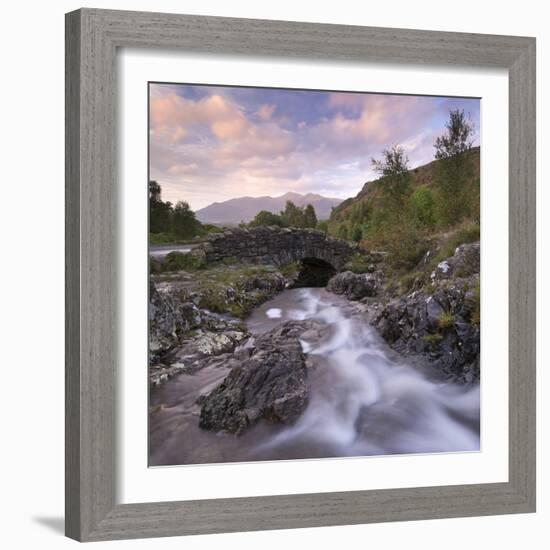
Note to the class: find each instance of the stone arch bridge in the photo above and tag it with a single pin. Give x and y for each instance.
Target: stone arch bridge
(275, 245)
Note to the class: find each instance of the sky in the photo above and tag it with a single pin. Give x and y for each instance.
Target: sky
(212, 143)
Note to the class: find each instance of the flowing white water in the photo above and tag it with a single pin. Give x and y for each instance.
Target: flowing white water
(364, 399)
(159, 251)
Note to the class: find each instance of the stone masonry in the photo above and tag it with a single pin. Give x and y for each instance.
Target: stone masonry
(274, 245)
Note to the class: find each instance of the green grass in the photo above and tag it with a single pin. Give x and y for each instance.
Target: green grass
(433, 339)
(230, 260)
(222, 289)
(170, 238)
(161, 238)
(446, 320)
(290, 270)
(359, 263)
(407, 281)
(178, 261)
(468, 232)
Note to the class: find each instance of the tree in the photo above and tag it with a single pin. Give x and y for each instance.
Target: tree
(154, 191)
(160, 213)
(322, 225)
(184, 223)
(395, 179)
(453, 170)
(310, 218)
(423, 207)
(458, 138)
(356, 233)
(292, 215)
(265, 218)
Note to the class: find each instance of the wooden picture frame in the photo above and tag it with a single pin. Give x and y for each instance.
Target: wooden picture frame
(92, 39)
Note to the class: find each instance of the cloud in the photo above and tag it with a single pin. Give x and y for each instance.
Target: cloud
(265, 112)
(172, 117)
(209, 144)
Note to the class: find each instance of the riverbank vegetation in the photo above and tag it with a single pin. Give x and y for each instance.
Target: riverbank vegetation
(408, 212)
(291, 216)
(170, 223)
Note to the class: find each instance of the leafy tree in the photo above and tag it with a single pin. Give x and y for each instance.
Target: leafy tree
(160, 213)
(310, 217)
(423, 207)
(395, 179)
(184, 223)
(292, 215)
(457, 139)
(154, 191)
(453, 170)
(168, 222)
(265, 218)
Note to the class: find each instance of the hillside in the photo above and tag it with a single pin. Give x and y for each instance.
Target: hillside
(244, 209)
(421, 175)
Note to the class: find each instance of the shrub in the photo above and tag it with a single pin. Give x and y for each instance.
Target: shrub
(446, 320)
(322, 225)
(423, 207)
(209, 228)
(343, 232)
(467, 234)
(265, 218)
(178, 261)
(406, 247)
(359, 264)
(161, 238)
(356, 233)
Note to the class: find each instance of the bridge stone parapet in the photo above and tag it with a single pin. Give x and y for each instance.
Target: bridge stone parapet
(276, 246)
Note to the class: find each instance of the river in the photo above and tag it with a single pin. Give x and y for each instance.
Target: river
(159, 251)
(364, 399)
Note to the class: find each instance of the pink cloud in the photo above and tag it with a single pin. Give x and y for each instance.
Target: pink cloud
(171, 116)
(265, 112)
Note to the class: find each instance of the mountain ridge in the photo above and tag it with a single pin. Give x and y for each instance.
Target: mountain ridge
(243, 209)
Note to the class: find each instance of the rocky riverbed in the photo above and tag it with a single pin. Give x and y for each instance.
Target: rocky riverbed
(197, 315)
(235, 352)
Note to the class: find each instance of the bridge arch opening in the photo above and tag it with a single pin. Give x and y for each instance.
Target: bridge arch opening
(314, 272)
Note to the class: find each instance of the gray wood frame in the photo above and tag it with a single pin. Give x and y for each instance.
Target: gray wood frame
(92, 39)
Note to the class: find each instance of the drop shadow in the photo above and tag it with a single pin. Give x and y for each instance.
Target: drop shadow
(55, 524)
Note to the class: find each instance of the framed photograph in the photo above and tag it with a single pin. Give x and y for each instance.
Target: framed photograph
(300, 282)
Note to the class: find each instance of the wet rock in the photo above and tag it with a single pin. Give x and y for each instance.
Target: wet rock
(439, 320)
(438, 326)
(267, 381)
(353, 285)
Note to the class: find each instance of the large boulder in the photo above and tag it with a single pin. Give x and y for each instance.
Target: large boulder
(267, 381)
(440, 326)
(354, 286)
(463, 263)
(168, 318)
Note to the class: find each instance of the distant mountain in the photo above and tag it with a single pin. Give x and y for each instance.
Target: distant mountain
(244, 209)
